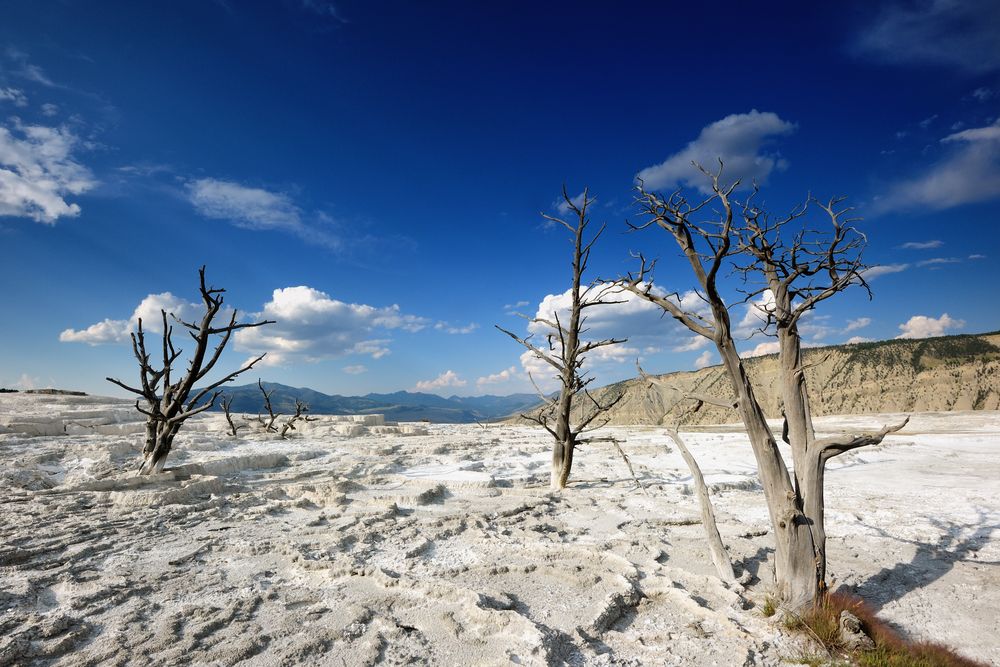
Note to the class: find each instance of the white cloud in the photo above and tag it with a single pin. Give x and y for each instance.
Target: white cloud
(449, 329)
(922, 326)
(856, 339)
(957, 33)
(860, 323)
(977, 256)
(738, 139)
(118, 331)
(704, 359)
(969, 173)
(935, 261)
(883, 269)
(253, 208)
(768, 347)
(38, 170)
(504, 376)
(693, 343)
(511, 307)
(922, 245)
(355, 369)
(563, 207)
(49, 109)
(447, 379)
(250, 208)
(756, 315)
(24, 68)
(15, 96)
(311, 326)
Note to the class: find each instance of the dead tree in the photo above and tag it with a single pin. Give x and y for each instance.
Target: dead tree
(711, 234)
(233, 427)
(565, 351)
(716, 548)
(169, 405)
(300, 410)
(267, 424)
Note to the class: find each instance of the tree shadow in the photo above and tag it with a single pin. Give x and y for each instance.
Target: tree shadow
(957, 543)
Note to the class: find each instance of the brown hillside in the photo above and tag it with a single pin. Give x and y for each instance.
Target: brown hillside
(932, 374)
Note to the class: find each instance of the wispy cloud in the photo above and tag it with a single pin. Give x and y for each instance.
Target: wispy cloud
(937, 261)
(254, 208)
(740, 140)
(355, 369)
(921, 245)
(38, 170)
(962, 34)
(23, 67)
(969, 173)
(456, 330)
(14, 96)
(883, 269)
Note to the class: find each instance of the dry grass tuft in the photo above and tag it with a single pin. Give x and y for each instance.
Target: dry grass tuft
(822, 622)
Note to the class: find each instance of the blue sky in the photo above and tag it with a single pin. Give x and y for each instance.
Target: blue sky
(372, 174)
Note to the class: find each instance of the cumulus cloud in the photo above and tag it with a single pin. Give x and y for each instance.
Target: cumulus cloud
(503, 377)
(883, 269)
(447, 379)
(969, 173)
(853, 340)
(921, 245)
(704, 359)
(962, 34)
(740, 140)
(922, 326)
(768, 347)
(692, 344)
(38, 170)
(118, 331)
(756, 315)
(860, 323)
(253, 208)
(311, 326)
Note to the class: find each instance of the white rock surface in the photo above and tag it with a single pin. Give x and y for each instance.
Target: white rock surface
(446, 547)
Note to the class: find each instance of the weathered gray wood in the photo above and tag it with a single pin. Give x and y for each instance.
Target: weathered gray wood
(565, 351)
(167, 408)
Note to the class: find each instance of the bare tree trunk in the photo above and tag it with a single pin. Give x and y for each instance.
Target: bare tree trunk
(794, 567)
(720, 557)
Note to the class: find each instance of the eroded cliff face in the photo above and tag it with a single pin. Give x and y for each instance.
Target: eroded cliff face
(929, 375)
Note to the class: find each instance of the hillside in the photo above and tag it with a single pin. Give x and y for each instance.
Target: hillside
(931, 374)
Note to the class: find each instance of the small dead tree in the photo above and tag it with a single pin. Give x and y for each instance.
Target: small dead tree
(812, 267)
(565, 350)
(234, 428)
(268, 423)
(169, 405)
(300, 410)
(717, 550)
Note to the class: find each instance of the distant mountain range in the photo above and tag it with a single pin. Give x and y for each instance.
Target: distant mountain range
(398, 406)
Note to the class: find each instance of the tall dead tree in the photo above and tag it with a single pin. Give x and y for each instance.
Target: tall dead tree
(711, 234)
(565, 350)
(170, 404)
